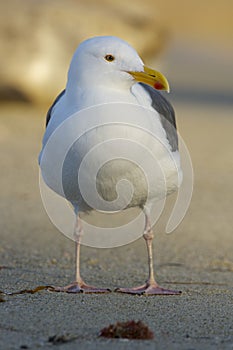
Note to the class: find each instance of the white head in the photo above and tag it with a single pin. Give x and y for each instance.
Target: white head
(110, 61)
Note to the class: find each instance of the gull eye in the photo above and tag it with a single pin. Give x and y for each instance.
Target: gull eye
(109, 58)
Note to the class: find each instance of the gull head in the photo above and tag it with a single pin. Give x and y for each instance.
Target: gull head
(112, 62)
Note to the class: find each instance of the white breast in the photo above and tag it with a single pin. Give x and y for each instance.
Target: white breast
(127, 143)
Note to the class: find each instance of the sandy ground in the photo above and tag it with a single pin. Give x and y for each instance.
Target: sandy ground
(196, 258)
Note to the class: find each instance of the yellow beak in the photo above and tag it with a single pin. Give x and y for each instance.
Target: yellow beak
(151, 77)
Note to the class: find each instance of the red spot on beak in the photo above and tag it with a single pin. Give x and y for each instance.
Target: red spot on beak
(158, 86)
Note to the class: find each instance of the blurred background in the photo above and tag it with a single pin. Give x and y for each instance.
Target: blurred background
(190, 42)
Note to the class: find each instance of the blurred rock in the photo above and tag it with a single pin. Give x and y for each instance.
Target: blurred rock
(38, 39)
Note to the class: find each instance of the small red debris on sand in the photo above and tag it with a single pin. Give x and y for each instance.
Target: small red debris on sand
(128, 330)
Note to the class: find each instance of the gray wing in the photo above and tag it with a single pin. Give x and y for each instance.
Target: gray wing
(49, 113)
(167, 115)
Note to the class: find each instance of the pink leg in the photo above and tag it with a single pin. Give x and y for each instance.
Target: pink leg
(78, 286)
(151, 287)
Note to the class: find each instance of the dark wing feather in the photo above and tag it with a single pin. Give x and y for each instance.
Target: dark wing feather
(167, 115)
(48, 116)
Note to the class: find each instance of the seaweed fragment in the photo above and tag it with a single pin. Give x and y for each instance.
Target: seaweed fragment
(128, 330)
(29, 291)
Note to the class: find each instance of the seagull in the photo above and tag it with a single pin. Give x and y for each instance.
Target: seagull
(106, 70)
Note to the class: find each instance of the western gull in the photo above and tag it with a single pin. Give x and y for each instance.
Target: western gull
(106, 70)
